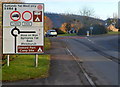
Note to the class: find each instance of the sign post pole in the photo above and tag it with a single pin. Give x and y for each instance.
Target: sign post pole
(91, 29)
(8, 60)
(36, 60)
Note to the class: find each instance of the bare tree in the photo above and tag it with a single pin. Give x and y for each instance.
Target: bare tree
(87, 13)
(77, 24)
(115, 20)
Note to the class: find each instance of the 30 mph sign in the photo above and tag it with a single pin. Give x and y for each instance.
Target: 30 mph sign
(23, 28)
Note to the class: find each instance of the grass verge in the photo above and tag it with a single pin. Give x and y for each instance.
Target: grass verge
(47, 44)
(113, 33)
(23, 68)
(67, 35)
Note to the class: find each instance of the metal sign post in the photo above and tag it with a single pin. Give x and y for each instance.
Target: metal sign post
(36, 60)
(8, 60)
(91, 28)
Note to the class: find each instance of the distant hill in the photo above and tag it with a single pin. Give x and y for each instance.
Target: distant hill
(59, 19)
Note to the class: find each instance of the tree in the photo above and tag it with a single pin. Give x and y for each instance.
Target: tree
(63, 27)
(66, 27)
(48, 24)
(87, 13)
(76, 24)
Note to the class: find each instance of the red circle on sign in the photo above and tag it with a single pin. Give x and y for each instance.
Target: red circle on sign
(23, 15)
(18, 15)
(39, 7)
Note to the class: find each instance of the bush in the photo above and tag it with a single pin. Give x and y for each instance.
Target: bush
(82, 31)
(97, 29)
(59, 31)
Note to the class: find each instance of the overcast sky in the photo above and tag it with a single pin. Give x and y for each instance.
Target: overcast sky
(103, 8)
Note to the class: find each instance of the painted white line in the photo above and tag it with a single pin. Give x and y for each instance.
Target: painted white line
(69, 51)
(86, 75)
(90, 40)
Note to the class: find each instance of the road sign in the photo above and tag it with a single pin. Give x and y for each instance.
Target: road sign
(26, 49)
(91, 28)
(40, 7)
(15, 15)
(23, 28)
(37, 16)
(26, 15)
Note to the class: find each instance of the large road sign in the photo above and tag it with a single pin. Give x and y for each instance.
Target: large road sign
(23, 28)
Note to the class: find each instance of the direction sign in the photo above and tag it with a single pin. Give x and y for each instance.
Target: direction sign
(23, 28)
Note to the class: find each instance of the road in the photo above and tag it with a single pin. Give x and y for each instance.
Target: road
(80, 61)
(99, 56)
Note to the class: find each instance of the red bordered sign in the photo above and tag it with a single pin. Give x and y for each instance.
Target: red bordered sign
(15, 15)
(26, 15)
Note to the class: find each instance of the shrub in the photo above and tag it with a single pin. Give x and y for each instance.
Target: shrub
(59, 31)
(97, 29)
(82, 31)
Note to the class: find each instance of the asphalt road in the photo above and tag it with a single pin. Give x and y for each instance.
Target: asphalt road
(97, 56)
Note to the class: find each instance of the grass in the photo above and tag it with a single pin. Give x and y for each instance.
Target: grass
(47, 44)
(23, 68)
(67, 35)
(113, 32)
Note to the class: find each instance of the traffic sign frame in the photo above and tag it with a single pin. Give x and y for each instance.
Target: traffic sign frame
(27, 20)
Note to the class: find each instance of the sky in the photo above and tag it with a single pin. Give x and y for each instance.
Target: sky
(103, 9)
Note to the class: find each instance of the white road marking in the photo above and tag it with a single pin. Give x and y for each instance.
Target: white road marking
(86, 75)
(90, 40)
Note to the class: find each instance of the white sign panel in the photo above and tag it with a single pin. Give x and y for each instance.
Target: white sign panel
(23, 28)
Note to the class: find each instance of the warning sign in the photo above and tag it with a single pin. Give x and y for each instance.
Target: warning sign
(37, 16)
(23, 28)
